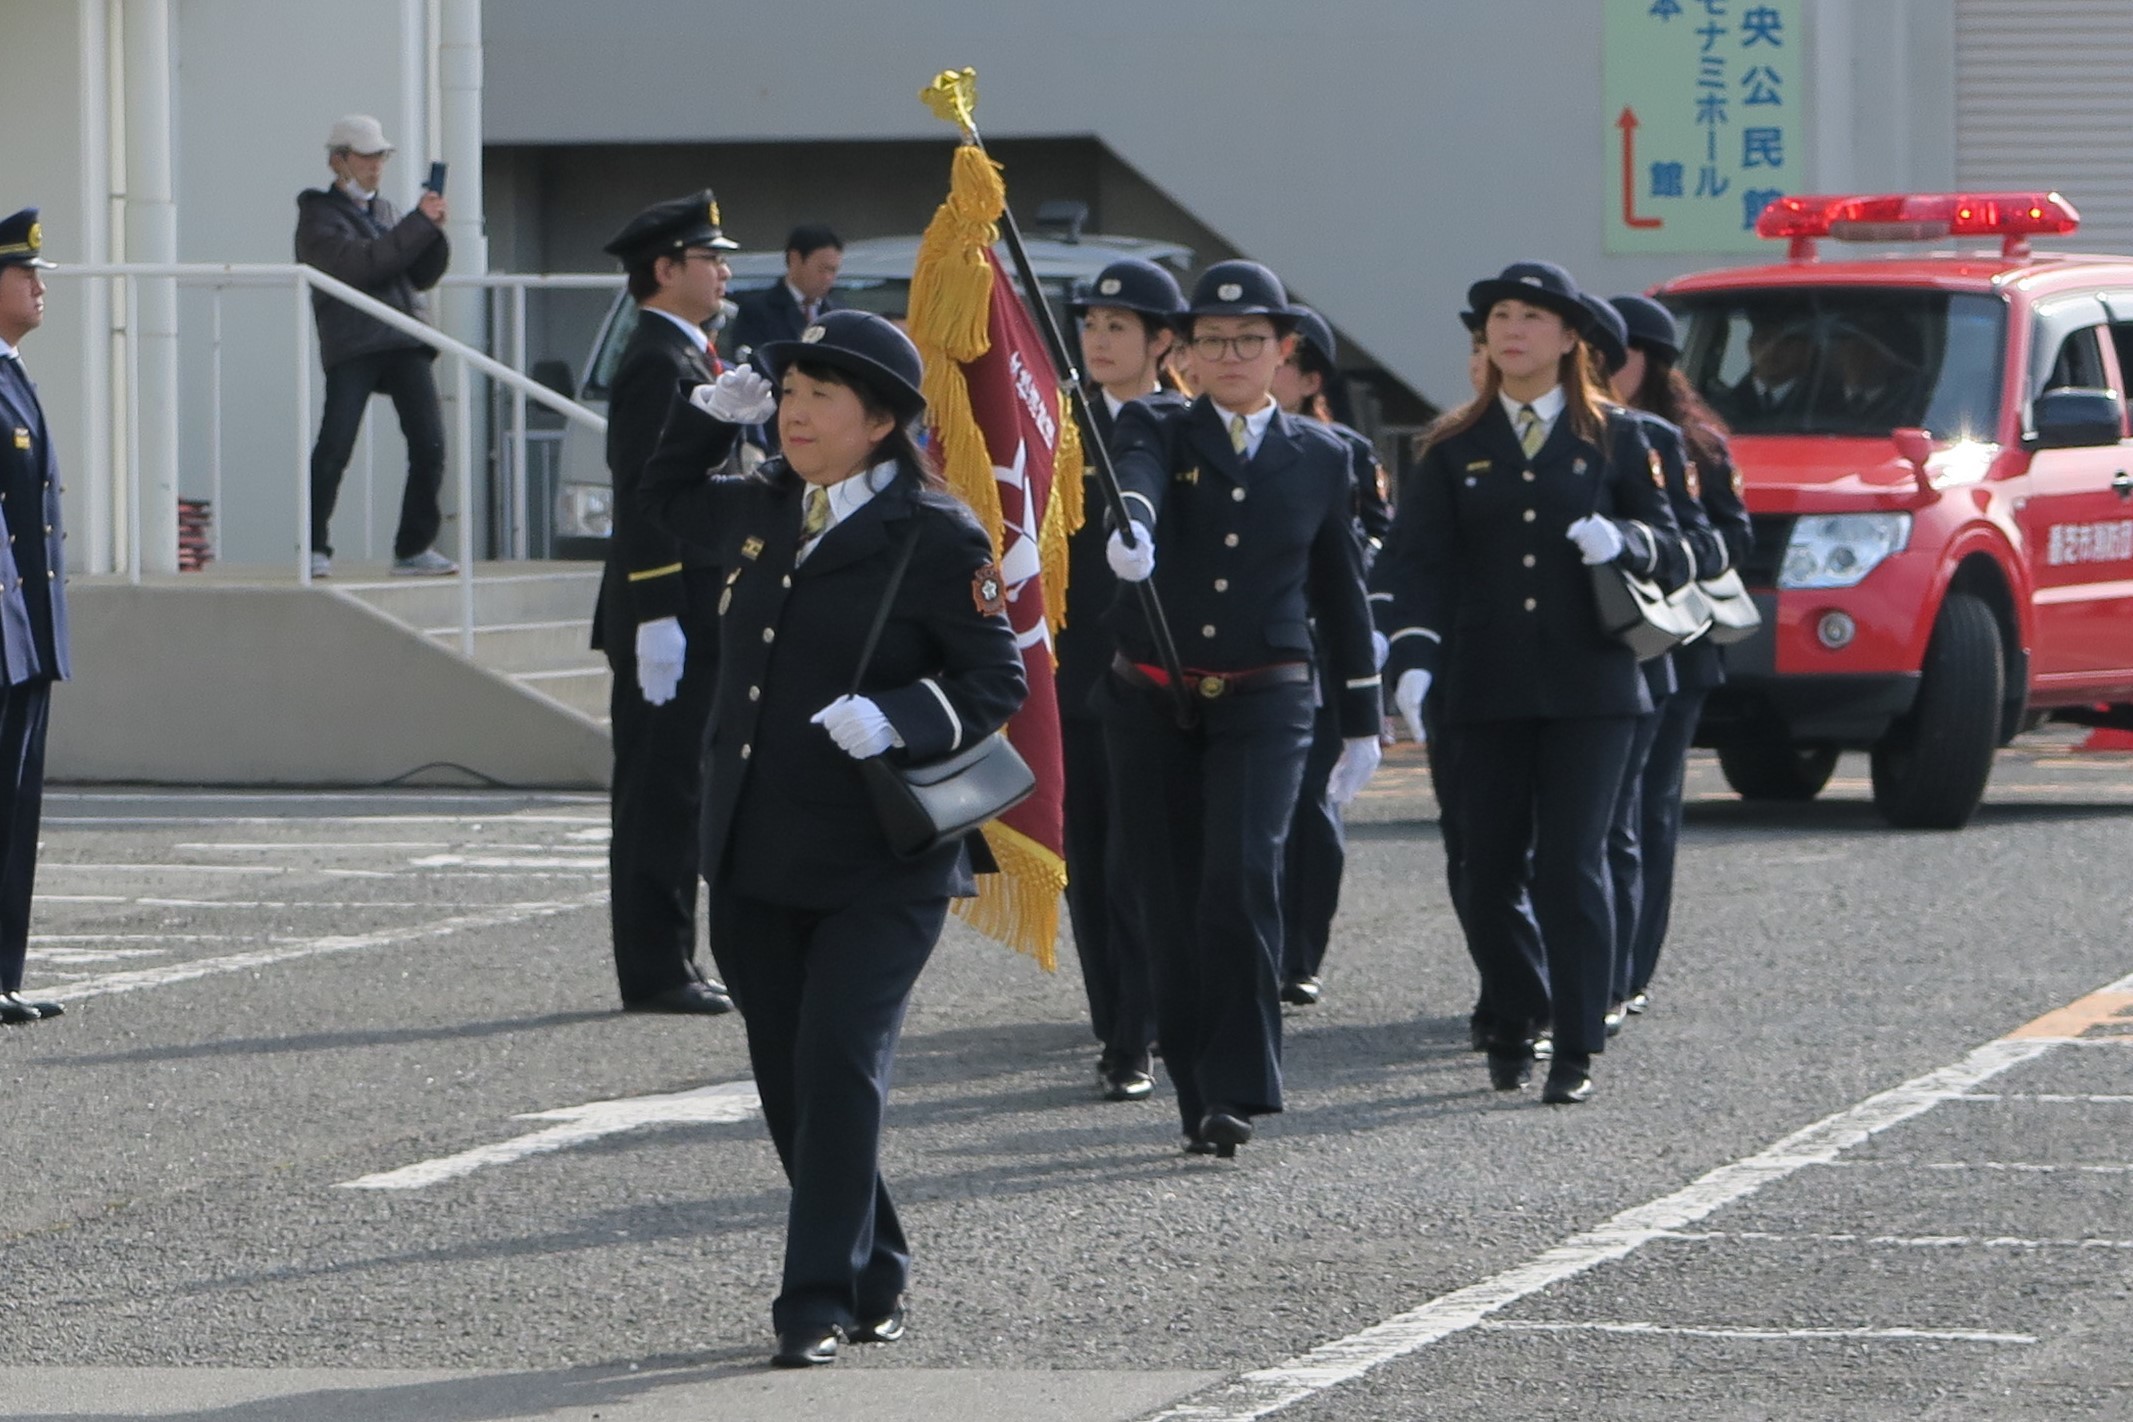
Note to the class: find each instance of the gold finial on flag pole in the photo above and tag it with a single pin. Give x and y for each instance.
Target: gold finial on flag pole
(953, 97)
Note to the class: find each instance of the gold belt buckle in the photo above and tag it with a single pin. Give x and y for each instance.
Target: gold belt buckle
(1213, 687)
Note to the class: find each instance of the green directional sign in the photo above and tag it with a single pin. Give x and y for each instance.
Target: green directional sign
(1704, 120)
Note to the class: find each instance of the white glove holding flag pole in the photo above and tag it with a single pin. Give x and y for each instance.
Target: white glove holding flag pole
(1359, 760)
(858, 727)
(1135, 564)
(1380, 649)
(661, 646)
(741, 396)
(1598, 539)
(1407, 695)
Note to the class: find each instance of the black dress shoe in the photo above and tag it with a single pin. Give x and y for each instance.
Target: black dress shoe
(702, 999)
(1510, 1068)
(886, 1329)
(44, 1009)
(1225, 1128)
(1568, 1083)
(1303, 992)
(1199, 1145)
(14, 1012)
(1617, 1014)
(1124, 1078)
(1544, 1044)
(1639, 1001)
(807, 1346)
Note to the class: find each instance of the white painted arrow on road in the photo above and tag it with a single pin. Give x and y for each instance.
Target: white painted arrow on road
(705, 1105)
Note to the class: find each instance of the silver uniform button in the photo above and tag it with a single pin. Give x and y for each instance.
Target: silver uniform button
(1208, 630)
(1529, 560)
(770, 634)
(1230, 541)
(1237, 494)
(744, 752)
(1530, 515)
(785, 581)
(755, 693)
(1221, 584)
(1529, 476)
(1531, 604)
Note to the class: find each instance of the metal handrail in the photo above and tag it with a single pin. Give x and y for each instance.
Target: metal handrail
(305, 279)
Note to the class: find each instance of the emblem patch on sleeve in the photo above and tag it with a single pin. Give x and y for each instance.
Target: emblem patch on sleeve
(1695, 478)
(1658, 472)
(752, 548)
(988, 591)
(1739, 484)
(1188, 476)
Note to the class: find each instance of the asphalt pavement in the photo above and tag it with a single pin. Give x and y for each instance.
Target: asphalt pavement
(342, 1124)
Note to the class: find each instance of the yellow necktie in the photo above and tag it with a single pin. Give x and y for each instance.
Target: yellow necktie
(815, 512)
(1237, 437)
(1530, 433)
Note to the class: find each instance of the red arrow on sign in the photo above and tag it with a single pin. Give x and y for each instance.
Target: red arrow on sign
(1628, 124)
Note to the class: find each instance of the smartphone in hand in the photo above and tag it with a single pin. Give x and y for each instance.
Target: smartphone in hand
(436, 182)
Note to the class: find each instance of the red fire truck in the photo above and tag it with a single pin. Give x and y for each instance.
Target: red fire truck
(1935, 453)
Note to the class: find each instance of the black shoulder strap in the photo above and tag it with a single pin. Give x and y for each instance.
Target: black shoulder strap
(888, 596)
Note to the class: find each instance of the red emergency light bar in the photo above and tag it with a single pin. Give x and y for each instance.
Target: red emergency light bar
(1919, 217)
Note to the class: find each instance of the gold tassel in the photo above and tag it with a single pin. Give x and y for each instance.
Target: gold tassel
(1019, 906)
(1063, 516)
(951, 306)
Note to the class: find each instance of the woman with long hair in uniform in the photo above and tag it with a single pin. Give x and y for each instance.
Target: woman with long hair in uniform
(819, 928)
(1650, 379)
(1519, 495)
(1308, 384)
(1127, 331)
(1244, 518)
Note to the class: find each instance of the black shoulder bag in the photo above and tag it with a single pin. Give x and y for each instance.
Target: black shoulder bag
(1635, 610)
(923, 805)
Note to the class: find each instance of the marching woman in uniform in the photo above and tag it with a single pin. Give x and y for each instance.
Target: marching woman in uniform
(1518, 496)
(1650, 380)
(1244, 518)
(818, 928)
(1127, 330)
(1308, 385)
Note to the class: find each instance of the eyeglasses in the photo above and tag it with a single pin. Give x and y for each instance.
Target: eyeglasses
(716, 258)
(1217, 347)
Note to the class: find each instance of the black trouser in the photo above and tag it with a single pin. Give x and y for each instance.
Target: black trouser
(24, 709)
(1524, 964)
(656, 799)
(405, 376)
(1545, 789)
(1317, 856)
(822, 994)
(1203, 815)
(1626, 865)
(1663, 772)
(1114, 965)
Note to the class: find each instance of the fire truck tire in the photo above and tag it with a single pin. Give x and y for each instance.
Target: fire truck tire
(1776, 770)
(1930, 769)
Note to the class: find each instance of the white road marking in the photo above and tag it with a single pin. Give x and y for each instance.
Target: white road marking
(1899, 1335)
(447, 861)
(727, 1102)
(1269, 1390)
(2051, 1098)
(167, 974)
(480, 799)
(1893, 1241)
(345, 905)
(297, 821)
(74, 957)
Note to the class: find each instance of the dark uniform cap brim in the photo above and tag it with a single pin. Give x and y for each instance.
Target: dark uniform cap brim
(1484, 294)
(667, 228)
(1650, 325)
(843, 333)
(1474, 322)
(1131, 285)
(1609, 334)
(22, 241)
(1257, 292)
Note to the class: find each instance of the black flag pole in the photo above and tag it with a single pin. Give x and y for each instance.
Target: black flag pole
(953, 95)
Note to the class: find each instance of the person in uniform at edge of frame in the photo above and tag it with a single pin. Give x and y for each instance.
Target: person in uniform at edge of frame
(1519, 494)
(1706, 556)
(1127, 329)
(656, 617)
(817, 926)
(1244, 516)
(1308, 384)
(33, 604)
(1651, 380)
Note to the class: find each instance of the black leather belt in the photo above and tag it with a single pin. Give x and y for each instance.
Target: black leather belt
(1213, 685)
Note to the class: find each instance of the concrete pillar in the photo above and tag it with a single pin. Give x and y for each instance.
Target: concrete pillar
(152, 236)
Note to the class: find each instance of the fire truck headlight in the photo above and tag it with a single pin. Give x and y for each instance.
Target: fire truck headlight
(1838, 550)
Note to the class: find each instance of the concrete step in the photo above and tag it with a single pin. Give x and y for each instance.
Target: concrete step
(514, 593)
(582, 689)
(514, 647)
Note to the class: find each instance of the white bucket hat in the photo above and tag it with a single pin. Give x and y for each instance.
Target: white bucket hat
(358, 133)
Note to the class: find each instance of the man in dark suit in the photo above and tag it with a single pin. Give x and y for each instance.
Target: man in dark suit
(780, 312)
(657, 619)
(1781, 353)
(33, 604)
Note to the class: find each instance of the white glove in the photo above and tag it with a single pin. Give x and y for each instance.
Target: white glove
(1380, 649)
(1597, 538)
(661, 646)
(739, 397)
(858, 727)
(1407, 695)
(1135, 564)
(1359, 758)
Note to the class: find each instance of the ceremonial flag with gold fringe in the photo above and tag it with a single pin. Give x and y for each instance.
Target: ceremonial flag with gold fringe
(1003, 427)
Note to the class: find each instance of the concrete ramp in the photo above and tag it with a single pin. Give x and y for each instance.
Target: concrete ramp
(243, 677)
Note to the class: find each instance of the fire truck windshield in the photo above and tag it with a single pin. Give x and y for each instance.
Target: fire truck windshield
(1846, 360)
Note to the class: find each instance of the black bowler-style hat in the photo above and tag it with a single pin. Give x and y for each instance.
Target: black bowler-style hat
(1239, 288)
(862, 344)
(666, 228)
(1474, 322)
(1650, 325)
(1314, 332)
(22, 240)
(1542, 284)
(1610, 333)
(1132, 284)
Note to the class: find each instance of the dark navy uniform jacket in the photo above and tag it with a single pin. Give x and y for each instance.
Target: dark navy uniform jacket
(1085, 643)
(33, 594)
(1373, 517)
(1701, 665)
(787, 816)
(1704, 549)
(650, 573)
(1489, 593)
(1248, 556)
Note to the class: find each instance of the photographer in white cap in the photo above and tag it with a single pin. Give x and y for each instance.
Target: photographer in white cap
(351, 232)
